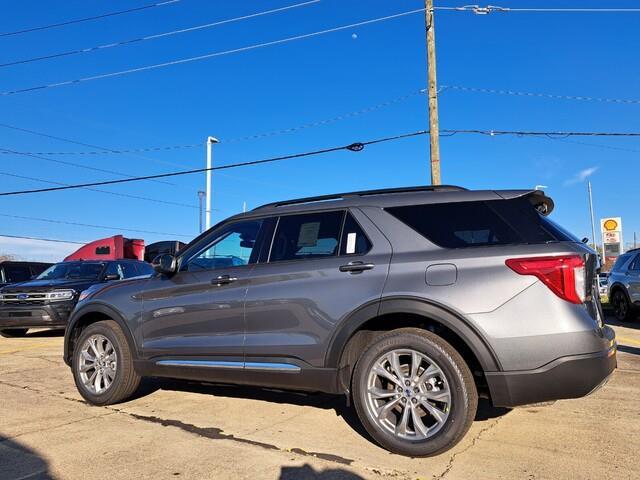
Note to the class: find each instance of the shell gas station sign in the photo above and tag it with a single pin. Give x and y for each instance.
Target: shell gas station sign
(611, 229)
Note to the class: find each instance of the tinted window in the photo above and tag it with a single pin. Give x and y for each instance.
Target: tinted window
(233, 247)
(354, 241)
(144, 268)
(115, 268)
(129, 269)
(635, 265)
(72, 270)
(620, 262)
(480, 223)
(17, 273)
(311, 235)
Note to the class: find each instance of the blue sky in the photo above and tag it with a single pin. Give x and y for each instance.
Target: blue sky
(303, 82)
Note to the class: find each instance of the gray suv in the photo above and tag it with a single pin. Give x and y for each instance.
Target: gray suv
(624, 285)
(412, 302)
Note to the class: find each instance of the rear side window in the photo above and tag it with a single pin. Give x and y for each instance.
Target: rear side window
(144, 268)
(312, 235)
(622, 259)
(354, 241)
(480, 223)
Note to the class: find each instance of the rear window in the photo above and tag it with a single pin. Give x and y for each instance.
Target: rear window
(481, 223)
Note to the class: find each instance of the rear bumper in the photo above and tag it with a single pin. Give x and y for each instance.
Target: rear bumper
(572, 376)
(32, 316)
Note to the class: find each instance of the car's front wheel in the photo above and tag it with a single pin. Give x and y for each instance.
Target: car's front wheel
(13, 332)
(621, 306)
(414, 393)
(103, 365)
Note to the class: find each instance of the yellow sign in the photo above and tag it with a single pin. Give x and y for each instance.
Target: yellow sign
(610, 225)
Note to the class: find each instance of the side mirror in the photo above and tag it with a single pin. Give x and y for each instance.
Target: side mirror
(111, 276)
(165, 263)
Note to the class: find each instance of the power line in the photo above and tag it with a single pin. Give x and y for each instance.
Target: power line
(102, 150)
(314, 124)
(213, 54)
(550, 134)
(52, 240)
(356, 147)
(103, 227)
(477, 9)
(87, 19)
(156, 36)
(540, 95)
(125, 195)
(77, 165)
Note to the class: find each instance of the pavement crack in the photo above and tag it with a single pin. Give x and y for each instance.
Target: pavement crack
(53, 427)
(214, 433)
(466, 449)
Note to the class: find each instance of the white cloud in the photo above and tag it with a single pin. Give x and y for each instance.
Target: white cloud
(36, 250)
(581, 176)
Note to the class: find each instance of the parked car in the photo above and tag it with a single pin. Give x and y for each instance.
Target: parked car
(603, 286)
(47, 300)
(14, 272)
(624, 285)
(411, 302)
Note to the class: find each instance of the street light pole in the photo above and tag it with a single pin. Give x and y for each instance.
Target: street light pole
(200, 198)
(207, 213)
(432, 92)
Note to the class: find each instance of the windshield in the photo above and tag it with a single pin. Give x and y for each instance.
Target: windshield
(72, 270)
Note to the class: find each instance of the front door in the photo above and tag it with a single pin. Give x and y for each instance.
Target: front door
(322, 266)
(199, 311)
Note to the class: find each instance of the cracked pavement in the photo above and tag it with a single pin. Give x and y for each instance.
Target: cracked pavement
(176, 429)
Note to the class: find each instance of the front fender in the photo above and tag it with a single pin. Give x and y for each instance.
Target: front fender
(99, 309)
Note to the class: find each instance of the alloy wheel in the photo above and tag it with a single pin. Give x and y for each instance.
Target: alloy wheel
(97, 364)
(620, 305)
(408, 394)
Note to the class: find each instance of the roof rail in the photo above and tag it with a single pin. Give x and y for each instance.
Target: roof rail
(363, 193)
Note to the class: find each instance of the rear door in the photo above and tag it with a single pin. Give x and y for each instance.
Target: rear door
(321, 267)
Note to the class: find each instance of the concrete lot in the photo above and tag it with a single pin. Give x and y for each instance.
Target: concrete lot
(189, 430)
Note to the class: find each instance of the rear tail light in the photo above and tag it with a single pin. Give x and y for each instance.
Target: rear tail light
(564, 275)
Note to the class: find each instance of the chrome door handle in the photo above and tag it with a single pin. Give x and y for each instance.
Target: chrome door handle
(356, 267)
(223, 280)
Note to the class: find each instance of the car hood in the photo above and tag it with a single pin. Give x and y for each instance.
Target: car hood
(48, 285)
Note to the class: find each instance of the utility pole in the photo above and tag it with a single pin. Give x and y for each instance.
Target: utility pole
(207, 213)
(432, 92)
(200, 198)
(593, 222)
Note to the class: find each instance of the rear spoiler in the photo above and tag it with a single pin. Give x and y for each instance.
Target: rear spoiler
(537, 198)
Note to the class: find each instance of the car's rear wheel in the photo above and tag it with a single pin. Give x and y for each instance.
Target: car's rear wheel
(621, 306)
(13, 332)
(414, 393)
(103, 365)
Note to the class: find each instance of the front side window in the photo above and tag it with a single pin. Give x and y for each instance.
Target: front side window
(311, 235)
(129, 269)
(115, 268)
(234, 247)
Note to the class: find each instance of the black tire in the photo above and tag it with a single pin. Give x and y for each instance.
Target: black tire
(463, 393)
(126, 380)
(14, 332)
(622, 308)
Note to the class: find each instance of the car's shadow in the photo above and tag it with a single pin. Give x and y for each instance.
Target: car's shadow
(634, 324)
(337, 403)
